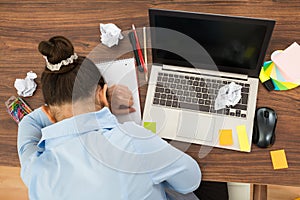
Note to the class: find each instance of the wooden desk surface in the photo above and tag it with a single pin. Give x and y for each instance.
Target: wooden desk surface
(24, 24)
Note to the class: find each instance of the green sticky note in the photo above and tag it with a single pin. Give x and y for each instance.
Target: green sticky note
(150, 126)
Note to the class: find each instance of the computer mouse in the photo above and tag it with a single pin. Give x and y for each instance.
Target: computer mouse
(264, 127)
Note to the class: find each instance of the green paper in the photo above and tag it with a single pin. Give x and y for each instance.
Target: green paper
(267, 65)
(150, 126)
(279, 85)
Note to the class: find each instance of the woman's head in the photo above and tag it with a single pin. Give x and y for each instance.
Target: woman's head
(67, 78)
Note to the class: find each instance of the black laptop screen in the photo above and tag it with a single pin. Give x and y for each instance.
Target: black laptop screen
(235, 44)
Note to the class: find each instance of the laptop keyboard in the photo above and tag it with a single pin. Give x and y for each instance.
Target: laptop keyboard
(196, 93)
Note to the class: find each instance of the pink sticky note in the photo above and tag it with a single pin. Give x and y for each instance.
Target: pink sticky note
(288, 62)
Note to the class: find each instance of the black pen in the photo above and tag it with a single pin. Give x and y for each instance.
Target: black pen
(133, 43)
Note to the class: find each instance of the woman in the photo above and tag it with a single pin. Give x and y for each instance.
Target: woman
(74, 148)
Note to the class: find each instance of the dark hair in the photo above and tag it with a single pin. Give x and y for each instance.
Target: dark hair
(72, 82)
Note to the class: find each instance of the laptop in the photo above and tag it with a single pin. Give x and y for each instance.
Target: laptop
(194, 55)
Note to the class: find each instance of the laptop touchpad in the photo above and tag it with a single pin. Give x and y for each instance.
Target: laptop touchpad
(194, 126)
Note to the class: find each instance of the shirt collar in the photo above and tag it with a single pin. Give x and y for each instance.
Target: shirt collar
(80, 124)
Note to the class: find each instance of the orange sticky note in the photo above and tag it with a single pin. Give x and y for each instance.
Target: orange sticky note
(279, 159)
(243, 138)
(225, 137)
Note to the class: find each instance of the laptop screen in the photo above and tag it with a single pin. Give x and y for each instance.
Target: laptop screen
(235, 44)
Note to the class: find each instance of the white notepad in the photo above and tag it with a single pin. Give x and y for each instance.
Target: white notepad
(122, 72)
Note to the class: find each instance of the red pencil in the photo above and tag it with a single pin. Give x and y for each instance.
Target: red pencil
(139, 50)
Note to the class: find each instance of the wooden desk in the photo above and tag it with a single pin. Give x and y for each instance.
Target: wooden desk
(24, 24)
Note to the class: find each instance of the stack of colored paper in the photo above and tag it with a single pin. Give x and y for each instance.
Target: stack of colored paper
(287, 64)
(284, 69)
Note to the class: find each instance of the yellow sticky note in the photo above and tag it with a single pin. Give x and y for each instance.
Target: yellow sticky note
(279, 159)
(243, 138)
(225, 137)
(263, 75)
(150, 126)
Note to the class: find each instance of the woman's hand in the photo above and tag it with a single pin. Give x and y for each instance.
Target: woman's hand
(120, 99)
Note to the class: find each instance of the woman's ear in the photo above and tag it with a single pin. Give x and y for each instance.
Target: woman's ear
(101, 95)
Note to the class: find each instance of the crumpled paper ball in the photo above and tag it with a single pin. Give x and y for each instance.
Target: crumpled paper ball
(26, 87)
(110, 34)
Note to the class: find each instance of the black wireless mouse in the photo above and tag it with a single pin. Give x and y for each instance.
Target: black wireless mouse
(264, 127)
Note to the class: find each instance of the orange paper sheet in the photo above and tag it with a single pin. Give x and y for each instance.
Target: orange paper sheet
(279, 159)
(225, 137)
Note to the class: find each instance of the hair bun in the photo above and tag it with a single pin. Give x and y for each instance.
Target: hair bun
(45, 48)
(58, 48)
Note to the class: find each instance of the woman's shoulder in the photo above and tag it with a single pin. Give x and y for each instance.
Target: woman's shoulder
(136, 131)
(142, 139)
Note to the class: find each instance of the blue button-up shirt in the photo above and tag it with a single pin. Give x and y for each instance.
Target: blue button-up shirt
(92, 156)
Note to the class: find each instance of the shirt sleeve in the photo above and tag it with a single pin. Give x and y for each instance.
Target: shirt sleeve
(183, 175)
(171, 167)
(29, 134)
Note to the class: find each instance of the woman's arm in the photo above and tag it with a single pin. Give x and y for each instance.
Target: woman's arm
(29, 134)
(183, 175)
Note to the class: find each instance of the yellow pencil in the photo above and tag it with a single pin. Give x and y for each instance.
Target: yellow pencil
(145, 53)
